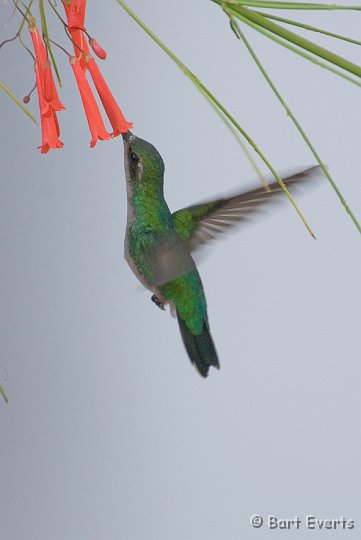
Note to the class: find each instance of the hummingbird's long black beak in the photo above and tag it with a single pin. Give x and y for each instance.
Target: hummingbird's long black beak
(127, 136)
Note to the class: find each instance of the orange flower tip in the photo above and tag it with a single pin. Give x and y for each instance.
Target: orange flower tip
(26, 99)
(44, 149)
(102, 137)
(99, 51)
(122, 129)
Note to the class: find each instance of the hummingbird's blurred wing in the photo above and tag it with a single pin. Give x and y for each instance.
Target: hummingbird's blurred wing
(165, 256)
(198, 224)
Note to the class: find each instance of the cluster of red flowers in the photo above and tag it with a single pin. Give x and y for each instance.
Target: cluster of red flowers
(81, 62)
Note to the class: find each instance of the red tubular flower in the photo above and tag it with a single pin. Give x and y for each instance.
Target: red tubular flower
(50, 134)
(51, 98)
(115, 115)
(48, 88)
(95, 121)
(47, 94)
(75, 14)
(50, 93)
(80, 45)
(99, 51)
(49, 124)
(38, 44)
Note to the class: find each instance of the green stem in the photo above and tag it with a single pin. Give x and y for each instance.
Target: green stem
(57, 14)
(2, 393)
(310, 28)
(205, 90)
(290, 5)
(298, 51)
(48, 43)
(259, 19)
(23, 21)
(10, 94)
(235, 133)
(241, 35)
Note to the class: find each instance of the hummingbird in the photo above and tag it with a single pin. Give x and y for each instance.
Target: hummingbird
(158, 244)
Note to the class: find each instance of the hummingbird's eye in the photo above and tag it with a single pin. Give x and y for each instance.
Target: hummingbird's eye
(134, 158)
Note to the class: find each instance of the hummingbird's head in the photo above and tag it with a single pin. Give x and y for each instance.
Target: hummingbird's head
(143, 163)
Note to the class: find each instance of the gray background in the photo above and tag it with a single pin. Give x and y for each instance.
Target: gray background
(109, 432)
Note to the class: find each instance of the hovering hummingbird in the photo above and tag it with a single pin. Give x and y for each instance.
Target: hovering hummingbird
(158, 244)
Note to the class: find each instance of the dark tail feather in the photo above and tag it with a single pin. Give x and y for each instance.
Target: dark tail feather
(200, 349)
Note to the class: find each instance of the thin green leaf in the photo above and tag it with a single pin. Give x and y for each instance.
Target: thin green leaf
(207, 92)
(14, 98)
(28, 7)
(311, 28)
(291, 5)
(235, 134)
(2, 393)
(294, 120)
(57, 13)
(301, 52)
(48, 43)
(245, 14)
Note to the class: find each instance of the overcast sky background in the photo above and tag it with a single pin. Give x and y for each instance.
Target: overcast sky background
(109, 432)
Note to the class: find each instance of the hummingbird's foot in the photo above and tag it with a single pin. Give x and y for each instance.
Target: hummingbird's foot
(158, 302)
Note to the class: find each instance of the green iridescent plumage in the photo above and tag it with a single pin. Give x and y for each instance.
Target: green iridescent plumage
(159, 256)
(158, 244)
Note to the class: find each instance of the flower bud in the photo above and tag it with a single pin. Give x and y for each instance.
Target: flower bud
(99, 51)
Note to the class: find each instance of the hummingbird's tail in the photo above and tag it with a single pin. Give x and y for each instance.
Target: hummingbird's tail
(200, 349)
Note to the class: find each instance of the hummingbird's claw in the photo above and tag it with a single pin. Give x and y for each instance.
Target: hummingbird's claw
(158, 302)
